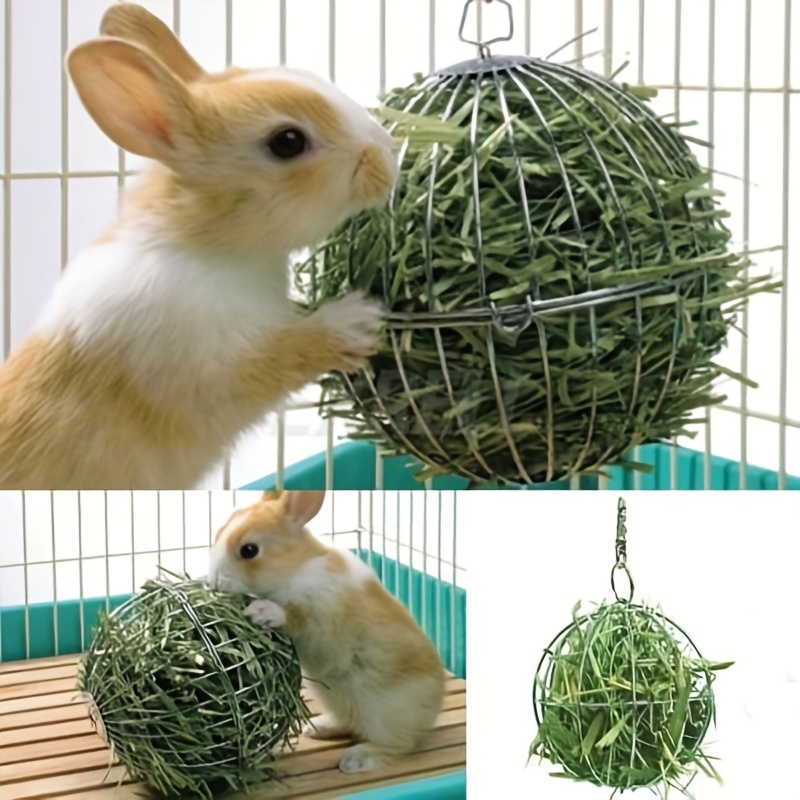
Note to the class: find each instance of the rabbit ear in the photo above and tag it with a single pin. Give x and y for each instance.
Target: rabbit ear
(132, 96)
(136, 24)
(302, 507)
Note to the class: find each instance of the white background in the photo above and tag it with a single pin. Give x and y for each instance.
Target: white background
(50, 219)
(723, 566)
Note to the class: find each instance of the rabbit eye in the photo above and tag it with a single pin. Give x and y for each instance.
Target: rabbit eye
(248, 551)
(287, 144)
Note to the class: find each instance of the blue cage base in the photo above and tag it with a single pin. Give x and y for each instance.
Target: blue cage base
(354, 466)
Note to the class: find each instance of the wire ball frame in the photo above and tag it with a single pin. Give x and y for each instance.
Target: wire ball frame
(701, 699)
(238, 701)
(666, 258)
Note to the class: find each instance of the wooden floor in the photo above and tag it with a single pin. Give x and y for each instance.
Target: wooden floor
(49, 749)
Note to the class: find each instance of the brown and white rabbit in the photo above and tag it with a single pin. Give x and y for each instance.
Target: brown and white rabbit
(174, 332)
(380, 678)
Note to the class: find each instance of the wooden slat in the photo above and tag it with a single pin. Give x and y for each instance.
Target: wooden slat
(36, 676)
(36, 689)
(43, 716)
(126, 791)
(45, 732)
(57, 747)
(25, 704)
(38, 663)
(455, 701)
(60, 765)
(61, 784)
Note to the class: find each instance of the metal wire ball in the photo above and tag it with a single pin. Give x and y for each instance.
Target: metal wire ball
(623, 699)
(191, 696)
(557, 279)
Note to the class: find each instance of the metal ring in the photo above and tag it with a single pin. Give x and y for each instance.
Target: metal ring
(621, 568)
(484, 46)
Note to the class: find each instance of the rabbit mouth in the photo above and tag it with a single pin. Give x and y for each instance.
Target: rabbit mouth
(224, 585)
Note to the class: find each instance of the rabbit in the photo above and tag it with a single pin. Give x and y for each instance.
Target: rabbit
(378, 677)
(174, 332)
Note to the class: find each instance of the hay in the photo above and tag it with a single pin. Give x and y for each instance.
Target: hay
(623, 700)
(557, 276)
(190, 694)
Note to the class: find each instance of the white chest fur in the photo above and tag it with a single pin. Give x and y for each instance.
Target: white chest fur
(316, 581)
(331, 633)
(175, 320)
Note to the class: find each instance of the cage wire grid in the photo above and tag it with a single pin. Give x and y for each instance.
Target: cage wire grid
(86, 547)
(624, 31)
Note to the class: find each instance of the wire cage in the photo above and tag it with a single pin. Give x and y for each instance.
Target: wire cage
(61, 178)
(66, 556)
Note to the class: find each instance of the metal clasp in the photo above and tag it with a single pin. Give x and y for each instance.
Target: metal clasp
(621, 551)
(483, 47)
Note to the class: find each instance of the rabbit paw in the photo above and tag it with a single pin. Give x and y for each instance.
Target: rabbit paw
(266, 613)
(352, 323)
(363, 757)
(324, 726)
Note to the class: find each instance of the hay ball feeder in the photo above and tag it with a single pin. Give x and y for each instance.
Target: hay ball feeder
(191, 696)
(623, 699)
(555, 270)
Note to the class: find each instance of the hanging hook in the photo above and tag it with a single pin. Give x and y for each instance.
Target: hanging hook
(483, 47)
(621, 551)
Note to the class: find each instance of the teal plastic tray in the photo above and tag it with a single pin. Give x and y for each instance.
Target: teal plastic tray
(354, 467)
